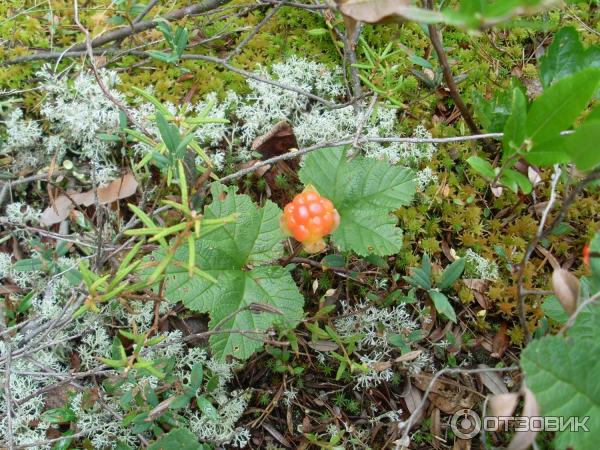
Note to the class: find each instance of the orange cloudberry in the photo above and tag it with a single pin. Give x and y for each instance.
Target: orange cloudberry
(308, 218)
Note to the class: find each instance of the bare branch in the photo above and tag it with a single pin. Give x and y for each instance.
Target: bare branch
(236, 51)
(256, 77)
(351, 140)
(436, 41)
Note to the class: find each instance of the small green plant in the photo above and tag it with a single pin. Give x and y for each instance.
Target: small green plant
(125, 11)
(173, 145)
(177, 41)
(421, 278)
(381, 75)
(536, 131)
(332, 444)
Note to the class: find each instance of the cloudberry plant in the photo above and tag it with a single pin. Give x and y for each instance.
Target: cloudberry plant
(310, 217)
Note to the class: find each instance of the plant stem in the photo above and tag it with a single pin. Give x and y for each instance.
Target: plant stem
(438, 46)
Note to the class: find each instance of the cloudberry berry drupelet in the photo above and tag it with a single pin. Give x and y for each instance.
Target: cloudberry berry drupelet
(308, 218)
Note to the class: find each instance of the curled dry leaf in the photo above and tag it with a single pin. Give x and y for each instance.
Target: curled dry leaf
(549, 256)
(534, 176)
(118, 189)
(384, 365)
(374, 11)
(323, 346)
(413, 400)
(277, 435)
(523, 439)
(566, 288)
(279, 140)
(497, 191)
(492, 381)
(503, 405)
(500, 341)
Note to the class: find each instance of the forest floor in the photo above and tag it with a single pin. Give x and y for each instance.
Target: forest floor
(370, 360)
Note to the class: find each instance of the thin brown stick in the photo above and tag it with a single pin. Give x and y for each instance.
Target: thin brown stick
(126, 31)
(236, 51)
(257, 77)
(436, 41)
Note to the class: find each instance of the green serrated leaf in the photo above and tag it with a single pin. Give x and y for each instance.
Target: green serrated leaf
(364, 191)
(554, 310)
(228, 254)
(366, 232)
(325, 169)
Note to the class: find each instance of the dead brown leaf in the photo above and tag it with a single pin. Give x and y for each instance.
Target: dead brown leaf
(503, 405)
(523, 439)
(492, 381)
(413, 400)
(436, 428)
(374, 11)
(446, 394)
(476, 284)
(323, 346)
(500, 341)
(279, 140)
(118, 189)
(461, 444)
(566, 288)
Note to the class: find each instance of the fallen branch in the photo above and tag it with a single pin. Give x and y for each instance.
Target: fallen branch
(126, 31)
(352, 140)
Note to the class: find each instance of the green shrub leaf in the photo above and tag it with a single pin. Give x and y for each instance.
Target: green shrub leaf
(582, 145)
(563, 57)
(452, 273)
(442, 304)
(230, 255)
(482, 167)
(514, 132)
(558, 107)
(364, 191)
(179, 438)
(562, 373)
